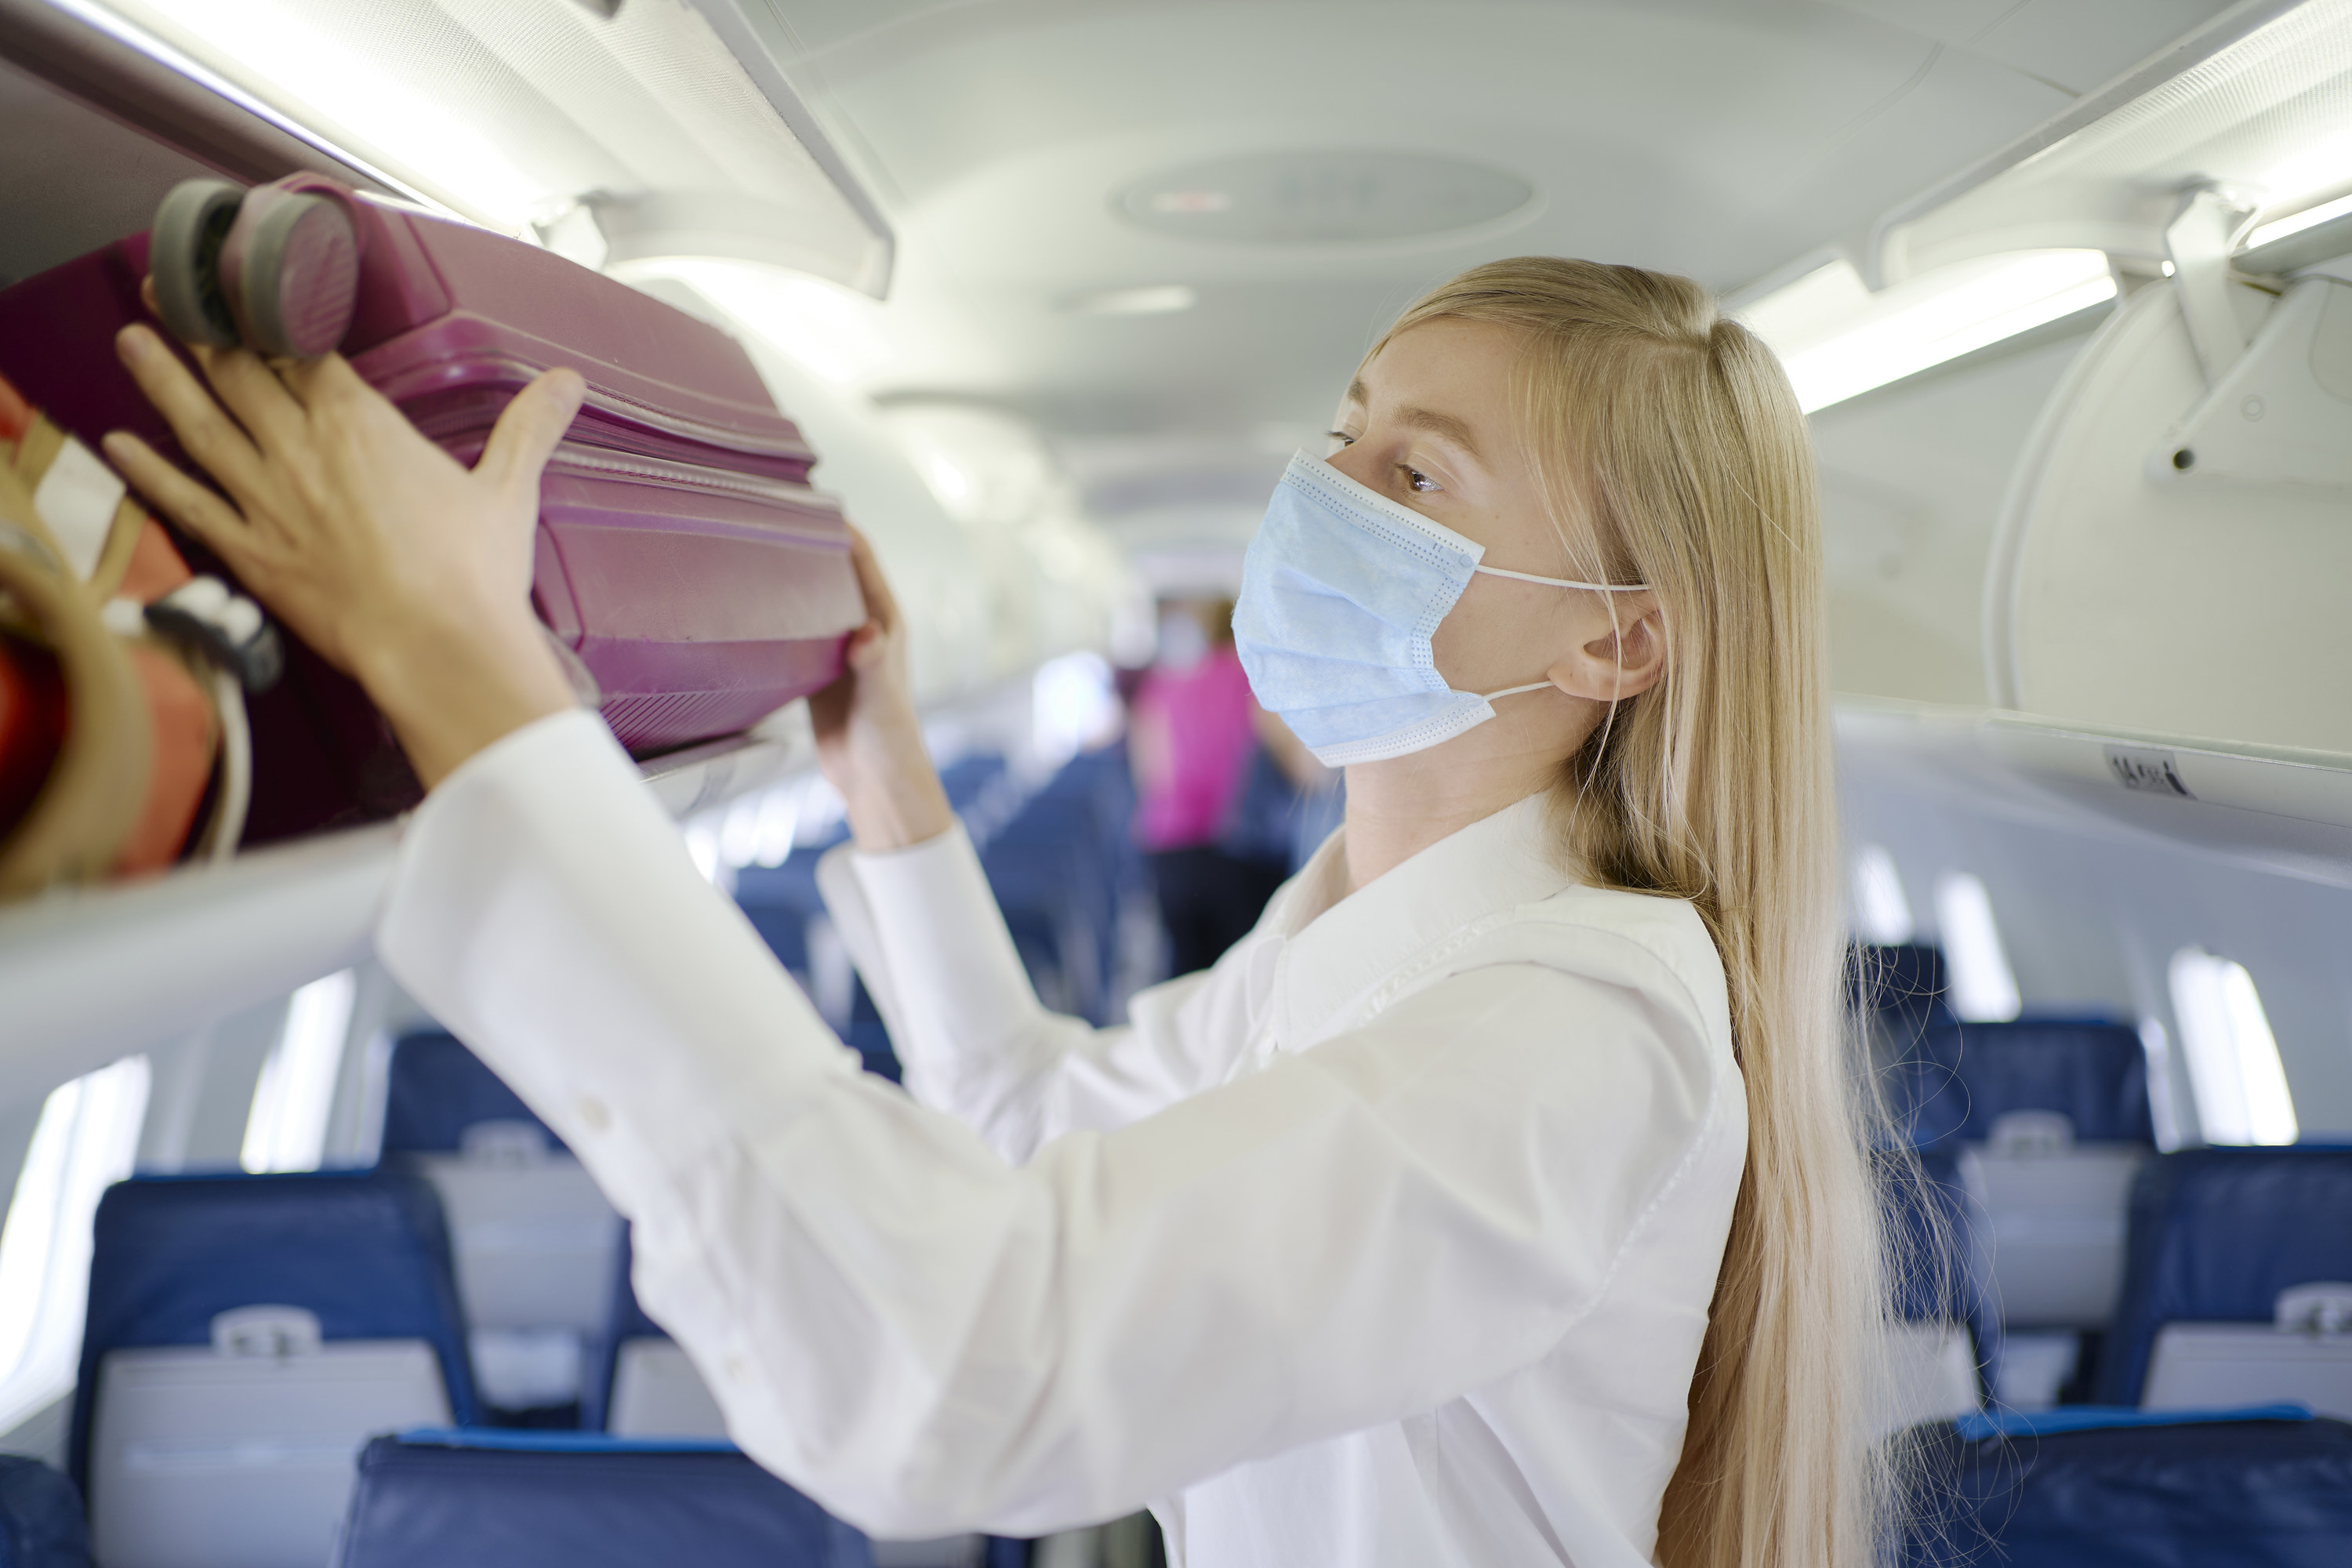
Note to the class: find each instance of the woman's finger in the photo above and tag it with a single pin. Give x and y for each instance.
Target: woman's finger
(171, 492)
(881, 604)
(526, 434)
(208, 435)
(251, 391)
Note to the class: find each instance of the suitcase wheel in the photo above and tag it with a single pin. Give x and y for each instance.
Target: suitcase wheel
(184, 255)
(290, 270)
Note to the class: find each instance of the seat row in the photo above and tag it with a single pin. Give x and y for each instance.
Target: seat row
(2116, 1355)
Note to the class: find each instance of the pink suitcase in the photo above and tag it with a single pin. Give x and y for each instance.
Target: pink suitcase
(681, 553)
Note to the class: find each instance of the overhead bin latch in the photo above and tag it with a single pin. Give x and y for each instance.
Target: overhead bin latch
(2283, 413)
(2198, 242)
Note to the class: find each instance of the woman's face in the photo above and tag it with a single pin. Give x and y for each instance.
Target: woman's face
(1430, 424)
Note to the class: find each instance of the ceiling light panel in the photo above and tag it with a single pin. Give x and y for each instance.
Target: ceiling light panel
(513, 111)
(1838, 340)
(2269, 117)
(1324, 197)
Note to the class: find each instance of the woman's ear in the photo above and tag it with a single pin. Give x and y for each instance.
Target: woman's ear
(1624, 661)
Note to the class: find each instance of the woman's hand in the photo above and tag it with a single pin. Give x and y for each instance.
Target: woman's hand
(869, 741)
(400, 567)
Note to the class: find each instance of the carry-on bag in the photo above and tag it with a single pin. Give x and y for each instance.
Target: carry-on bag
(122, 675)
(682, 556)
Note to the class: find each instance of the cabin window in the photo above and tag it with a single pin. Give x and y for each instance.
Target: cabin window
(2234, 1058)
(287, 1128)
(1074, 705)
(1881, 913)
(1983, 988)
(87, 1140)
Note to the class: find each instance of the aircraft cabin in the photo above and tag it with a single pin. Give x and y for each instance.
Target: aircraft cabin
(313, 1256)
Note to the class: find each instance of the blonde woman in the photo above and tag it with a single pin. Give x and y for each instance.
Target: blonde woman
(1496, 1201)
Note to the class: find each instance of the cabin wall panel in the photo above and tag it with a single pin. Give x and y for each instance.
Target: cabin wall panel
(2090, 920)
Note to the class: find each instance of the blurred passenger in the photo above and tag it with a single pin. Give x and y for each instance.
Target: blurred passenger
(1192, 739)
(1318, 795)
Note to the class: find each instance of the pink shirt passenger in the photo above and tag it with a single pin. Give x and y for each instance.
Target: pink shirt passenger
(1190, 740)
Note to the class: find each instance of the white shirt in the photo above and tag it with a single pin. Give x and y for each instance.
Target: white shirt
(1388, 1241)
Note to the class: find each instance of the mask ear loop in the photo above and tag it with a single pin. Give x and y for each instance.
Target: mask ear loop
(1555, 583)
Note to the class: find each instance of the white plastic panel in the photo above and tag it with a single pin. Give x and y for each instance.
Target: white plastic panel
(2203, 1365)
(2057, 1230)
(2192, 605)
(657, 1393)
(204, 1460)
(535, 1245)
(1931, 1375)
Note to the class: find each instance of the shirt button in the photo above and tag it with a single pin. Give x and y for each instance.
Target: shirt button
(592, 1113)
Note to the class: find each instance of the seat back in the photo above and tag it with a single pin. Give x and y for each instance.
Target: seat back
(532, 1237)
(644, 1385)
(2276, 1492)
(1901, 981)
(1947, 1337)
(2217, 1236)
(2053, 1118)
(246, 1334)
(436, 1088)
(576, 1500)
(41, 1523)
(2093, 1074)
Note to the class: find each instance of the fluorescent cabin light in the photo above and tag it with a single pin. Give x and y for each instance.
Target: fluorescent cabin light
(1838, 340)
(838, 335)
(2295, 223)
(1158, 299)
(322, 83)
(2323, 165)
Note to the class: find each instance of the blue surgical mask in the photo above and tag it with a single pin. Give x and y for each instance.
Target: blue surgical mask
(1340, 592)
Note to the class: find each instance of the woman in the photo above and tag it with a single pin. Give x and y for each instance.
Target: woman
(1496, 1201)
(1201, 786)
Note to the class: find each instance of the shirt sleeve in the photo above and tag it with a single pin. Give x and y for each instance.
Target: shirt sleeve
(927, 1339)
(973, 1038)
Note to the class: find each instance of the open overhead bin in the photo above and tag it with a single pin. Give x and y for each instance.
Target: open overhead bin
(658, 128)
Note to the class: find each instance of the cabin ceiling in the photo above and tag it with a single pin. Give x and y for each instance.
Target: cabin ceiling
(1724, 139)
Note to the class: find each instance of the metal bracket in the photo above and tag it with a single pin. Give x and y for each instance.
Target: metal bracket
(2199, 241)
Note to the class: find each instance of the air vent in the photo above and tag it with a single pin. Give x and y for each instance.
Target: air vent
(1323, 197)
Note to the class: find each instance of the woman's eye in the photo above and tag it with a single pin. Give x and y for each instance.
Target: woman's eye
(1417, 479)
(1340, 437)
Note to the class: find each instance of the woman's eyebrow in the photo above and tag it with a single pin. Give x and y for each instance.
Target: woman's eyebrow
(1429, 419)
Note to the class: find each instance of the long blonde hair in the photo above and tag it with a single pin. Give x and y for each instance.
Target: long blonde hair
(1672, 453)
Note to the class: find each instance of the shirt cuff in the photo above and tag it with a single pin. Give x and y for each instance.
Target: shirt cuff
(926, 933)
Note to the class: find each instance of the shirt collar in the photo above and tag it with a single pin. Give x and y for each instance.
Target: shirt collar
(1329, 961)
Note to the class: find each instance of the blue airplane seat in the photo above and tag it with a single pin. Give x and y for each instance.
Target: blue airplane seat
(579, 1500)
(530, 1234)
(2216, 1237)
(1941, 1261)
(436, 1088)
(1902, 982)
(41, 1523)
(2264, 1489)
(1972, 1075)
(244, 1334)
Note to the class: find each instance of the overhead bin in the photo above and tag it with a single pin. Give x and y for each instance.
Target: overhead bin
(661, 128)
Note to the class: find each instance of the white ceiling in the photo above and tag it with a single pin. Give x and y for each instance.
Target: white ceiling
(1720, 138)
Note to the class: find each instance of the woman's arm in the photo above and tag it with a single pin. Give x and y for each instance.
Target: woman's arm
(926, 1339)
